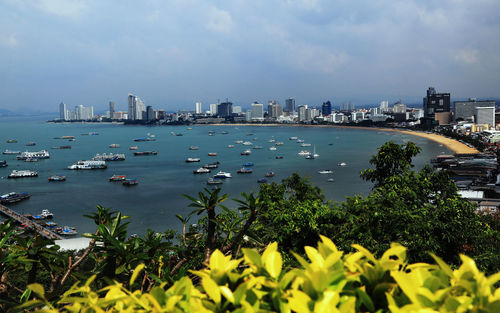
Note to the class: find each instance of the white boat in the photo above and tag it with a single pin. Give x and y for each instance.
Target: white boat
(47, 214)
(11, 152)
(304, 152)
(193, 148)
(305, 145)
(330, 180)
(201, 170)
(293, 138)
(114, 145)
(222, 175)
(88, 165)
(271, 140)
(273, 148)
(246, 152)
(230, 146)
(247, 143)
(279, 143)
(188, 160)
(44, 154)
(300, 140)
(325, 172)
(22, 173)
(109, 157)
(214, 181)
(238, 141)
(342, 164)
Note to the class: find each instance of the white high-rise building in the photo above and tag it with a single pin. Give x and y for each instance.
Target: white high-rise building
(237, 109)
(83, 113)
(257, 110)
(63, 112)
(136, 107)
(302, 112)
(384, 106)
(198, 108)
(213, 108)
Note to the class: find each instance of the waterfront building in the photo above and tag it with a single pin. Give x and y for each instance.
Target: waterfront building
(384, 106)
(399, 107)
(83, 113)
(326, 108)
(436, 102)
(302, 113)
(375, 111)
(465, 110)
(237, 109)
(136, 107)
(63, 112)
(274, 109)
(257, 111)
(358, 116)
(198, 108)
(485, 115)
(347, 107)
(112, 108)
(120, 115)
(225, 109)
(213, 108)
(290, 105)
(150, 113)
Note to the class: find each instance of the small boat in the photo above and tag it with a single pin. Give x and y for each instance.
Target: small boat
(245, 170)
(330, 180)
(50, 224)
(222, 175)
(247, 143)
(66, 231)
(57, 178)
(305, 145)
(300, 140)
(214, 181)
(250, 134)
(179, 134)
(190, 160)
(246, 152)
(145, 139)
(189, 128)
(342, 164)
(22, 173)
(114, 145)
(293, 138)
(117, 178)
(130, 182)
(11, 141)
(211, 165)
(30, 144)
(269, 174)
(145, 153)
(88, 165)
(310, 156)
(62, 147)
(273, 148)
(72, 139)
(304, 152)
(11, 152)
(262, 180)
(271, 140)
(133, 148)
(13, 197)
(258, 147)
(201, 170)
(279, 143)
(278, 157)
(46, 214)
(66, 137)
(224, 132)
(3, 163)
(31, 160)
(238, 141)
(230, 146)
(247, 164)
(325, 172)
(193, 148)
(109, 157)
(212, 154)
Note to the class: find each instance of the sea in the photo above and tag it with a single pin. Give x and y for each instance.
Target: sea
(164, 178)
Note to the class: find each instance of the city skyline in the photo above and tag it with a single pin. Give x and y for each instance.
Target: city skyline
(178, 53)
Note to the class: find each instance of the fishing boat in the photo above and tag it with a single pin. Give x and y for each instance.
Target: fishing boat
(88, 165)
(133, 148)
(22, 173)
(262, 180)
(3, 163)
(13, 197)
(190, 160)
(246, 152)
(11, 152)
(130, 182)
(212, 154)
(201, 170)
(269, 174)
(222, 175)
(109, 157)
(114, 145)
(57, 178)
(44, 154)
(193, 148)
(145, 153)
(214, 181)
(66, 231)
(245, 170)
(116, 178)
(325, 172)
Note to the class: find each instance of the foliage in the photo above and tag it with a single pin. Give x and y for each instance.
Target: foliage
(329, 281)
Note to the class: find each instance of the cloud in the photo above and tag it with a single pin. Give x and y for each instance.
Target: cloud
(63, 8)
(9, 41)
(219, 21)
(467, 56)
(314, 58)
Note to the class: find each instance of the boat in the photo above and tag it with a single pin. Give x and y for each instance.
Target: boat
(66, 231)
(262, 180)
(293, 138)
(211, 165)
(11, 141)
(44, 154)
(342, 164)
(222, 175)
(72, 139)
(212, 154)
(13, 197)
(193, 148)
(62, 147)
(224, 132)
(117, 178)
(269, 174)
(179, 134)
(114, 145)
(214, 181)
(30, 160)
(271, 140)
(325, 172)
(247, 143)
(230, 146)
(300, 140)
(130, 182)
(145, 153)
(304, 152)
(3, 163)
(279, 143)
(201, 170)
(88, 165)
(190, 160)
(258, 147)
(133, 148)
(109, 157)
(57, 178)
(189, 128)
(145, 139)
(247, 164)
(246, 152)
(30, 144)
(22, 173)
(273, 148)
(238, 141)
(310, 156)
(50, 224)
(67, 137)
(305, 144)
(278, 157)
(330, 180)
(11, 152)
(245, 170)
(46, 214)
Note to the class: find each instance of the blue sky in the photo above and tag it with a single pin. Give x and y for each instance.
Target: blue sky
(174, 53)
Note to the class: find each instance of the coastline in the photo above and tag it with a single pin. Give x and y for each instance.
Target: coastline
(452, 144)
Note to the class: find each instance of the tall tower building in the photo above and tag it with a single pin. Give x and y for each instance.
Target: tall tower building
(326, 108)
(384, 106)
(290, 105)
(302, 112)
(225, 109)
(112, 109)
(198, 108)
(63, 112)
(436, 102)
(257, 110)
(213, 108)
(135, 107)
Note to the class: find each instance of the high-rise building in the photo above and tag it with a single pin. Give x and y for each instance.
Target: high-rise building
(399, 107)
(63, 112)
(257, 110)
(384, 106)
(290, 105)
(274, 109)
(302, 113)
(485, 115)
(237, 109)
(347, 107)
(136, 107)
(436, 102)
(150, 113)
(225, 109)
(465, 110)
(83, 113)
(112, 109)
(198, 108)
(326, 108)
(213, 108)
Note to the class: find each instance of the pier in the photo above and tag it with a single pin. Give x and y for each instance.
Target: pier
(31, 225)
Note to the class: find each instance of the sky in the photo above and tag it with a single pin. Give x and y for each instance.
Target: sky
(174, 53)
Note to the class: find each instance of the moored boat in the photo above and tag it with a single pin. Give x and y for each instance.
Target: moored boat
(278, 157)
(57, 178)
(190, 160)
(130, 182)
(212, 154)
(117, 178)
(269, 174)
(342, 164)
(66, 231)
(262, 180)
(62, 147)
(305, 144)
(230, 146)
(304, 152)
(144, 139)
(88, 165)
(273, 148)
(11, 152)
(109, 157)
(214, 181)
(247, 164)
(30, 144)
(114, 145)
(11, 141)
(201, 170)
(3, 163)
(13, 197)
(194, 148)
(44, 154)
(246, 152)
(293, 138)
(222, 175)
(325, 172)
(145, 153)
(30, 160)
(22, 173)
(211, 165)
(245, 170)
(133, 148)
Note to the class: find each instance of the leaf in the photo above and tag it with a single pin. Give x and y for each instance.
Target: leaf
(38, 289)
(252, 257)
(273, 264)
(137, 270)
(211, 289)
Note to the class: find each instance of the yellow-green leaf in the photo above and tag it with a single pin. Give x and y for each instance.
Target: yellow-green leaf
(211, 289)
(137, 270)
(273, 264)
(38, 289)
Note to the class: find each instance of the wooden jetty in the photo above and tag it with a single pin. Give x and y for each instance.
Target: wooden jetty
(31, 225)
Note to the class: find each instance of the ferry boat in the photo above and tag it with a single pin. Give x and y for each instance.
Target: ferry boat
(66, 231)
(245, 170)
(248, 164)
(11, 141)
(117, 178)
(30, 144)
(57, 178)
(325, 172)
(3, 163)
(269, 174)
(212, 154)
(114, 145)
(262, 180)
(145, 153)
(13, 197)
(88, 165)
(193, 148)
(11, 152)
(130, 182)
(246, 152)
(222, 175)
(190, 160)
(109, 157)
(133, 148)
(201, 170)
(22, 173)
(44, 154)
(214, 181)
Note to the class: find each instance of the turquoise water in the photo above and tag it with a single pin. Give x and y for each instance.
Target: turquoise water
(164, 178)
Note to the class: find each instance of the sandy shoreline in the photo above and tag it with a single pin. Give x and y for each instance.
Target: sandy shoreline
(449, 143)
